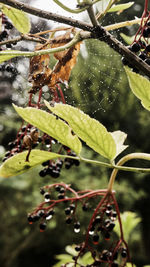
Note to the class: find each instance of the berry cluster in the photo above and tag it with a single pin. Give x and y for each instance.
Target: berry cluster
(53, 168)
(103, 224)
(99, 228)
(5, 33)
(140, 47)
(27, 136)
(9, 68)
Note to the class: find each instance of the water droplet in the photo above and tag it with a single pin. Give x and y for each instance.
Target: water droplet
(77, 230)
(49, 217)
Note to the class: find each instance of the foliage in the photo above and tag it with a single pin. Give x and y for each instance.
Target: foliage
(60, 130)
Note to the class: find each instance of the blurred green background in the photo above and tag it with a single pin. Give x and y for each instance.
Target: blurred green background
(98, 85)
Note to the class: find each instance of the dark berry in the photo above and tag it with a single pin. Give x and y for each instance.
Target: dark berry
(62, 190)
(97, 220)
(135, 47)
(142, 56)
(107, 236)
(9, 68)
(109, 207)
(78, 248)
(135, 70)
(43, 173)
(49, 214)
(47, 141)
(77, 225)
(108, 212)
(23, 128)
(95, 238)
(7, 153)
(59, 163)
(68, 165)
(47, 196)
(42, 191)
(8, 25)
(61, 196)
(146, 32)
(11, 145)
(114, 214)
(147, 48)
(147, 61)
(76, 162)
(36, 217)
(68, 211)
(105, 255)
(45, 163)
(57, 188)
(110, 226)
(107, 221)
(124, 253)
(85, 207)
(55, 174)
(124, 61)
(72, 206)
(42, 227)
(30, 218)
(69, 220)
(9, 45)
(3, 35)
(4, 159)
(41, 213)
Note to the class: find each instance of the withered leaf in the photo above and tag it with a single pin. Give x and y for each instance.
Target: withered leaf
(39, 70)
(41, 74)
(62, 69)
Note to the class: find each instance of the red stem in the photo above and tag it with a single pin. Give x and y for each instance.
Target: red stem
(39, 99)
(30, 100)
(61, 93)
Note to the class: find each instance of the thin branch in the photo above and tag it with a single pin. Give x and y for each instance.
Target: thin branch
(92, 16)
(101, 34)
(47, 15)
(122, 161)
(122, 24)
(97, 33)
(24, 37)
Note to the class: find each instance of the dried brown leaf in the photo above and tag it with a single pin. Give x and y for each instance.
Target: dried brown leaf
(39, 70)
(63, 67)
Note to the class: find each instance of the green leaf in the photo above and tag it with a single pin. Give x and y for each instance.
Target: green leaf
(19, 19)
(128, 39)
(87, 258)
(89, 130)
(140, 86)
(18, 164)
(119, 138)
(129, 222)
(116, 8)
(49, 124)
(6, 57)
(128, 264)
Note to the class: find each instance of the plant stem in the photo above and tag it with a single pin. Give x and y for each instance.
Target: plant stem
(75, 11)
(98, 33)
(15, 53)
(122, 24)
(122, 161)
(92, 16)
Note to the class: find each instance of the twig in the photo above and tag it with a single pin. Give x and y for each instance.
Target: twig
(97, 33)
